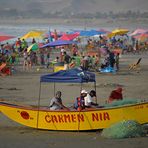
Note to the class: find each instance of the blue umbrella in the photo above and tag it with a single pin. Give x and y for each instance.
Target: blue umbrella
(59, 43)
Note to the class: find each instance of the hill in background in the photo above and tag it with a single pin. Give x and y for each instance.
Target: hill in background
(76, 6)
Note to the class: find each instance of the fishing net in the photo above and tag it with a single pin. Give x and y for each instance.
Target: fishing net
(121, 102)
(124, 129)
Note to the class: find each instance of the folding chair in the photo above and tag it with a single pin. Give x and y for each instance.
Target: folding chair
(135, 66)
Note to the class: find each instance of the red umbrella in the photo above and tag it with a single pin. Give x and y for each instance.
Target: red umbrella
(69, 37)
(142, 37)
(4, 37)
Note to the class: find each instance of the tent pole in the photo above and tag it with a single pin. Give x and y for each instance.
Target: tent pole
(80, 87)
(54, 89)
(79, 110)
(39, 104)
(95, 90)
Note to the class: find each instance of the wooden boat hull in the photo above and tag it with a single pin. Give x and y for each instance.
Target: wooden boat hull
(92, 119)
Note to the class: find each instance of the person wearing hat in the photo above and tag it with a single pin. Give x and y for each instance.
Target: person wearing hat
(80, 103)
(91, 96)
(56, 102)
(115, 95)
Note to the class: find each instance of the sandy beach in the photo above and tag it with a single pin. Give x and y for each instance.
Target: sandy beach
(23, 87)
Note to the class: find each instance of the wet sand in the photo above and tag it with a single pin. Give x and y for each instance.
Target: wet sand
(22, 87)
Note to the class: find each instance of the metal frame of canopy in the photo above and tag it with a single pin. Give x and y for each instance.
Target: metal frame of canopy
(71, 80)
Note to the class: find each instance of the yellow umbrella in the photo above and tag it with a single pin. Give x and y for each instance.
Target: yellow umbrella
(33, 34)
(118, 32)
(110, 35)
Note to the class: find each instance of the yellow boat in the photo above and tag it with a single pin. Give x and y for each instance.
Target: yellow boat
(90, 119)
(73, 120)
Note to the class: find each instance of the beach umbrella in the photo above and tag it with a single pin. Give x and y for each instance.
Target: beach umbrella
(142, 37)
(88, 33)
(4, 37)
(138, 31)
(69, 37)
(118, 32)
(33, 47)
(104, 31)
(59, 43)
(33, 34)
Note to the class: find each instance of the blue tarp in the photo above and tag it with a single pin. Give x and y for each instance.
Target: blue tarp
(59, 43)
(75, 75)
(108, 70)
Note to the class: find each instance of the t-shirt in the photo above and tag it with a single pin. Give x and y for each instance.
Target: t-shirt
(62, 51)
(67, 59)
(55, 104)
(88, 99)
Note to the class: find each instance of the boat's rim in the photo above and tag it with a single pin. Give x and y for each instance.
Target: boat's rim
(46, 108)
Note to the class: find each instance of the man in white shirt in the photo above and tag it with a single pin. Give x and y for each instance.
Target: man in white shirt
(89, 99)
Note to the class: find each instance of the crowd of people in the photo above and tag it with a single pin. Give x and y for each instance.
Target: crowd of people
(103, 49)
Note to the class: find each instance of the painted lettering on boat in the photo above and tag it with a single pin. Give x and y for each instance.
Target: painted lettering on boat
(64, 118)
(100, 116)
(139, 107)
(71, 118)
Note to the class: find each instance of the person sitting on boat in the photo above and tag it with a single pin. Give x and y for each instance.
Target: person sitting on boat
(80, 103)
(91, 96)
(115, 95)
(56, 102)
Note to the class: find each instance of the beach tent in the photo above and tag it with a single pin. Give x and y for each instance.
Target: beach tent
(4, 37)
(76, 75)
(59, 43)
(33, 34)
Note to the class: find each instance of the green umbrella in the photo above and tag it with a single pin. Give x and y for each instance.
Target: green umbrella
(33, 47)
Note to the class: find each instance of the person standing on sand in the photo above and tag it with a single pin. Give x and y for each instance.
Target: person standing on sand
(67, 60)
(117, 61)
(26, 60)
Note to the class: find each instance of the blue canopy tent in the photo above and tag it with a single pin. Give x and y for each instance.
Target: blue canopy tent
(76, 75)
(59, 43)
